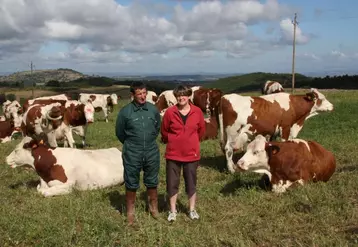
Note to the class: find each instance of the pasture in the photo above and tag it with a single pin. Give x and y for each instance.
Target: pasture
(234, 208)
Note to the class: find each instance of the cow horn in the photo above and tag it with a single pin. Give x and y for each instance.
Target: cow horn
(52, 118)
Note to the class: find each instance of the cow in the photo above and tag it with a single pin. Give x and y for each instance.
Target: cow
(165, 100)
(58, 120)
(63, 169)
(151, 97)
(211, 128)
(13, 111)
(101, 102)
(7, 130)
(271, 87)
(5, 104)
(288, 163)
(29, 103)
(282, 115)
(207, 99)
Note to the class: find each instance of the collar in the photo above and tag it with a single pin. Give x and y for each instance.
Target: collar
(138, 106)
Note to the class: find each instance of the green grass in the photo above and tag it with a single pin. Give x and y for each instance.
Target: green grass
(234, 210)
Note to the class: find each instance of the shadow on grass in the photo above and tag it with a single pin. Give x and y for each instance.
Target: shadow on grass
(230, 188)
(350, 168)
(29, 184)
(218, 162)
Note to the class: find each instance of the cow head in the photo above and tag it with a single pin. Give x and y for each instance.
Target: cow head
(257, 155)
(22, 154)
(89, 112)
(114, 98)
(321, 104)
(55, 115)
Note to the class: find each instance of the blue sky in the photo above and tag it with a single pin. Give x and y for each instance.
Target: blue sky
(178, 37)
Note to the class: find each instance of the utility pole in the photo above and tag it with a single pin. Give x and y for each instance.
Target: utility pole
(294, 22)
(32, 79)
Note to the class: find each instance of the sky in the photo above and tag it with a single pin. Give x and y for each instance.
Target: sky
(179, 36)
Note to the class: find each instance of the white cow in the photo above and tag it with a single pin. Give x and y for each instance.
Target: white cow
(151, 97)
(58, 97)
(62, 169)
(100, 102)
(271, 87)
(13, 111)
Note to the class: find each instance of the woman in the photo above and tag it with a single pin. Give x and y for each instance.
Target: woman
(182, 128)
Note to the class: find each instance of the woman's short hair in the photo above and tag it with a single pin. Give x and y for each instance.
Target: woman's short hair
(182, 90)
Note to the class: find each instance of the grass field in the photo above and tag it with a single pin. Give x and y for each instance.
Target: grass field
(234, 210)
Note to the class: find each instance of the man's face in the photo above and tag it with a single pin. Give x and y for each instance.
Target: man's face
(140, 95)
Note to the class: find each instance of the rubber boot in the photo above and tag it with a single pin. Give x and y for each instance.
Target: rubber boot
(130, 201)
(153, 202)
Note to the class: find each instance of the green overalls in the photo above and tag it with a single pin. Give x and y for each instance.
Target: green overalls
(137, 127)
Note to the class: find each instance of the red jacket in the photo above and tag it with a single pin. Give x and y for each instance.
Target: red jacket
(183, 141)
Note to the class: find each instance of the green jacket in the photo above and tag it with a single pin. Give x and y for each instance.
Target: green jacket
(138, 125)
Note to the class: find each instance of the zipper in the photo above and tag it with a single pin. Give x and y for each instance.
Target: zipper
(143, 131)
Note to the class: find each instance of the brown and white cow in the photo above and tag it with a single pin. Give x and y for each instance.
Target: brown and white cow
(29, 103)
(7, 130)
(241, 118)
(63, 169)
(13, 111)
(101, 102)
(207, 99)
(288, 163)
(165, 100)
(272, 87)
(211, 128)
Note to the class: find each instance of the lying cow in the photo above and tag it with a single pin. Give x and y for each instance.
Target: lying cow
(13, 111)
(271, 87)
(287, 163)
(62, 169)
(101, 102)
(7, 130)
(241, 118)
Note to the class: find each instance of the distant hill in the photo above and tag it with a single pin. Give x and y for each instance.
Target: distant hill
(43, 76)
(253, 81)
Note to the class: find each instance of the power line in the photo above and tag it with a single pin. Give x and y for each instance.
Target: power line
(294, 22)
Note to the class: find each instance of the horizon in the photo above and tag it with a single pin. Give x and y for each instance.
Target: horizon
(176, 37)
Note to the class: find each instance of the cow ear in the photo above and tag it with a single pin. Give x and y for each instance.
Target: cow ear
(271, 149)
(310, 96)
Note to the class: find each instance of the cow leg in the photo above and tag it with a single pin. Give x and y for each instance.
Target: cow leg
(229, 152)
(52, 139)
(281, 186)
(84, 135)
(105, 112)
(295, 129)
(69, 137)
(285, 134)
(57, 188)
(42, 185)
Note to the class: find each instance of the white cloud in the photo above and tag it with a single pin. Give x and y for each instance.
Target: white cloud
(287, 29)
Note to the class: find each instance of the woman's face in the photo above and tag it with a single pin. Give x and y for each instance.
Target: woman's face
(183, 100)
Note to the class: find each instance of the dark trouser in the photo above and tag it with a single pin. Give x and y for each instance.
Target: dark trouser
(173, 170)
(135, 161)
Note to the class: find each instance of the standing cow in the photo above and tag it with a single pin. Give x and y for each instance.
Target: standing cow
(288, 163)
(271, 87)
(101, 102)
(241, 118)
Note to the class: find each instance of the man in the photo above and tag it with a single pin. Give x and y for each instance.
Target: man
(137, 127)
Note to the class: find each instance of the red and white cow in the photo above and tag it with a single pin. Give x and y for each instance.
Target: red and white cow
(241, 118)
(151, 97)
(58, 120)
(165, 100)
(63, 169)
(101, 102)
(207, 99)
(13, 111)
(7, 130)
(211, 128)
(271, 87)
(288, 163)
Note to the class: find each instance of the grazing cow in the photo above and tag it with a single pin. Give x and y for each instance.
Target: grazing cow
(287, 163)
(211, 128)
(207, 99)
(241, 118)
(151, 97)
(7, 129)
(272, 87)
(165, 100)
(101, 102)
(62, 169)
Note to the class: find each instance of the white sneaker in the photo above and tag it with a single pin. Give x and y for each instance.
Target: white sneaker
(193, 215)
(172, 216)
